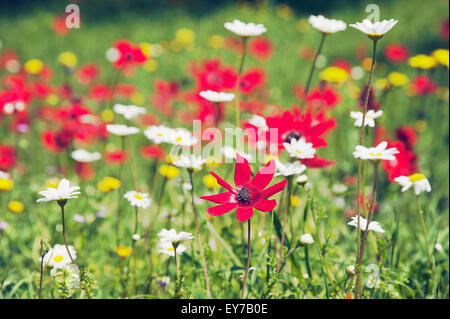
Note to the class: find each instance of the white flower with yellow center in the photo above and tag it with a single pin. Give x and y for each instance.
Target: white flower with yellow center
(377, 153)
(57, 257)
(299, 148)
(375, 226)
(129, 111)
(167, 248)
(182, 137)
(374, 30)
(159, 134)
(84, 156)
(259, 122)
(217, 97)
(62, 192)
(245, 29)
(121, 130)
(289, 169)
(371, 115)
(138, 199)
(420, 182)
(327, 25)
(192, 161)
(172, 235)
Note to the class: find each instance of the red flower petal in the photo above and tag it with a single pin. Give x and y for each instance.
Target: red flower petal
(242, 173)
(221, 209)
(274, 189)
(222, 182)
(265, 205)
(220, 198)
(244, 213)
(264, 176)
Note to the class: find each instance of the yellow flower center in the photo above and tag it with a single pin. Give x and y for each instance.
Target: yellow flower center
(171, 249)
(377, 154)
(16, 207)
(137, 196)
(58, 258)
(416, 177)
(179, 139)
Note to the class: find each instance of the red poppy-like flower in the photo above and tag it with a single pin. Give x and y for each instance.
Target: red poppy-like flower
(324, 97)
(56, 141)
(306, 53)
(152, 152)
(84, 170)
(423, 85)
(100, 92)
(59, 25)
(115, 157)
(165, 94)
(87, 73)
(251, 80)
(8, 157)
(213, 75)
(407, 135)
(129, 55)
(249, 192)
(124, 90)
(260, 48)
(294, 124)
(396, 53)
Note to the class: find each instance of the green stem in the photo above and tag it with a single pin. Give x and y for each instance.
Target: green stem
(247, 266)
(313, 67)
(424, 230)
(358, 284)
(199, 240)
(241, 67)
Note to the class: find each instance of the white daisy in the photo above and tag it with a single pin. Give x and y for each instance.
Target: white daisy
(138, 199)
(326, 25)
(245, 29)
(374, 30)
(57, 257)
(259, 122)
(129, 111)
(167, 248)
(375, 153)
(182, 137)
(371, 115)
(64, 191)
(299, 148)
(84, 156)
(375, 226)
(306, 239)
(230, 154)
(172, 235)
(289, 169)
(159, 134)
(121, 130)
(217, 97)
(420, 182)
(195, 162)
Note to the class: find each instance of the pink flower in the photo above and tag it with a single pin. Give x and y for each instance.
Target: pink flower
(249, 192)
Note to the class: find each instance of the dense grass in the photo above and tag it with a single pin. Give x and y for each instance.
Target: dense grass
(403, 260)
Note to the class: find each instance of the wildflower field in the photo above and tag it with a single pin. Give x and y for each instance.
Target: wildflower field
(226, 149)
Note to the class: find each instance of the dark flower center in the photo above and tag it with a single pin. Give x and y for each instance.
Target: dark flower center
(128, 56)
(244, 196)
(288, 136)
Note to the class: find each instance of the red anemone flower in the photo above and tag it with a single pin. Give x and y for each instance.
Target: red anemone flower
(396, 53)
(249, 192)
